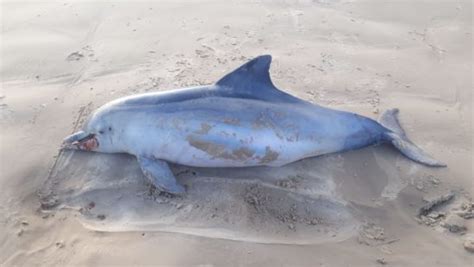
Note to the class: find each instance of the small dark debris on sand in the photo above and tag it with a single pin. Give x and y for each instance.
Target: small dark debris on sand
(91, 205)
(454, 224)
(291, 182)
(49, 203)
(290, 218)
(371, 234)
(60, 244)
(431, 219)
(466, 210)
(20, 232)
(290, 215)
(75, 56)
(255, 197)
(433, 203)
(101, 217)
(160, 196)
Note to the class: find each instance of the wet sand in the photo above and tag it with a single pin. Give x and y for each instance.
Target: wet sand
(60, 61)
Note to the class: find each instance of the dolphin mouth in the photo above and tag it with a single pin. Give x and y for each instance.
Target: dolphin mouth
(81, 141)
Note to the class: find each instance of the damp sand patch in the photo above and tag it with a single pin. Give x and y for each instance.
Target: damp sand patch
(107, 192)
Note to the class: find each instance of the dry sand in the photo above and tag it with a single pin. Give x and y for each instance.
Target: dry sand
(362, 208)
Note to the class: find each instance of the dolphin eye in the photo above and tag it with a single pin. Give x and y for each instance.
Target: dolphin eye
(101, 132)
(110, 129)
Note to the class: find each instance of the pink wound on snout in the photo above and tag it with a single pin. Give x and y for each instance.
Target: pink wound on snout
(89, 144)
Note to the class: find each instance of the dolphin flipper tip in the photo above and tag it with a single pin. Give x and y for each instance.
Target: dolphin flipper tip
(413, 152)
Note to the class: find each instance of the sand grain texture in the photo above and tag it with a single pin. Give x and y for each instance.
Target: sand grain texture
(60, 61)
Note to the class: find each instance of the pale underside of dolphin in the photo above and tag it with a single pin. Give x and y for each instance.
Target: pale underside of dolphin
(242, 120)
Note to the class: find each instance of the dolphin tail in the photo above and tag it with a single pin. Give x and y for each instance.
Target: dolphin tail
(396, 135)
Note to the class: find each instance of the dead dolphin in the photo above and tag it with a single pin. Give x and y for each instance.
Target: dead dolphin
(242, 120)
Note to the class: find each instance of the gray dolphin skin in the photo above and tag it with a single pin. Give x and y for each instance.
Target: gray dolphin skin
(242, 120)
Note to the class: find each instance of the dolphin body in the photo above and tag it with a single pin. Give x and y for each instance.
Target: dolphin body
(242, 120)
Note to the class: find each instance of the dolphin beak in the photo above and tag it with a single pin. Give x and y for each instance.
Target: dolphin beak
(75, 137)
(81, 140)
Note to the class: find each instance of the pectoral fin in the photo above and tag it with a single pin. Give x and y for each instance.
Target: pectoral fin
(160, 175)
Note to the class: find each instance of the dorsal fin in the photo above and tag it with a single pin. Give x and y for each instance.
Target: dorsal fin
(252, 80)
(256, 70)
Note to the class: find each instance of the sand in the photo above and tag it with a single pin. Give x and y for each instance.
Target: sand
(369, 207)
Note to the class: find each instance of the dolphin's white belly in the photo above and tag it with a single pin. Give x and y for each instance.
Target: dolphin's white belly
(224, 132)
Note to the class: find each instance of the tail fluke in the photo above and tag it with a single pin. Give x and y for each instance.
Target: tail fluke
(398, 138)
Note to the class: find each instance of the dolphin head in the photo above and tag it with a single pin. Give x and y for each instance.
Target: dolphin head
(99, 135)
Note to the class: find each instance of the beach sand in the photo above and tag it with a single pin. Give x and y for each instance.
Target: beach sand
(370, 207)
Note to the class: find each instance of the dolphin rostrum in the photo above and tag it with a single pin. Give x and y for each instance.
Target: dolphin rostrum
(242, 120)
